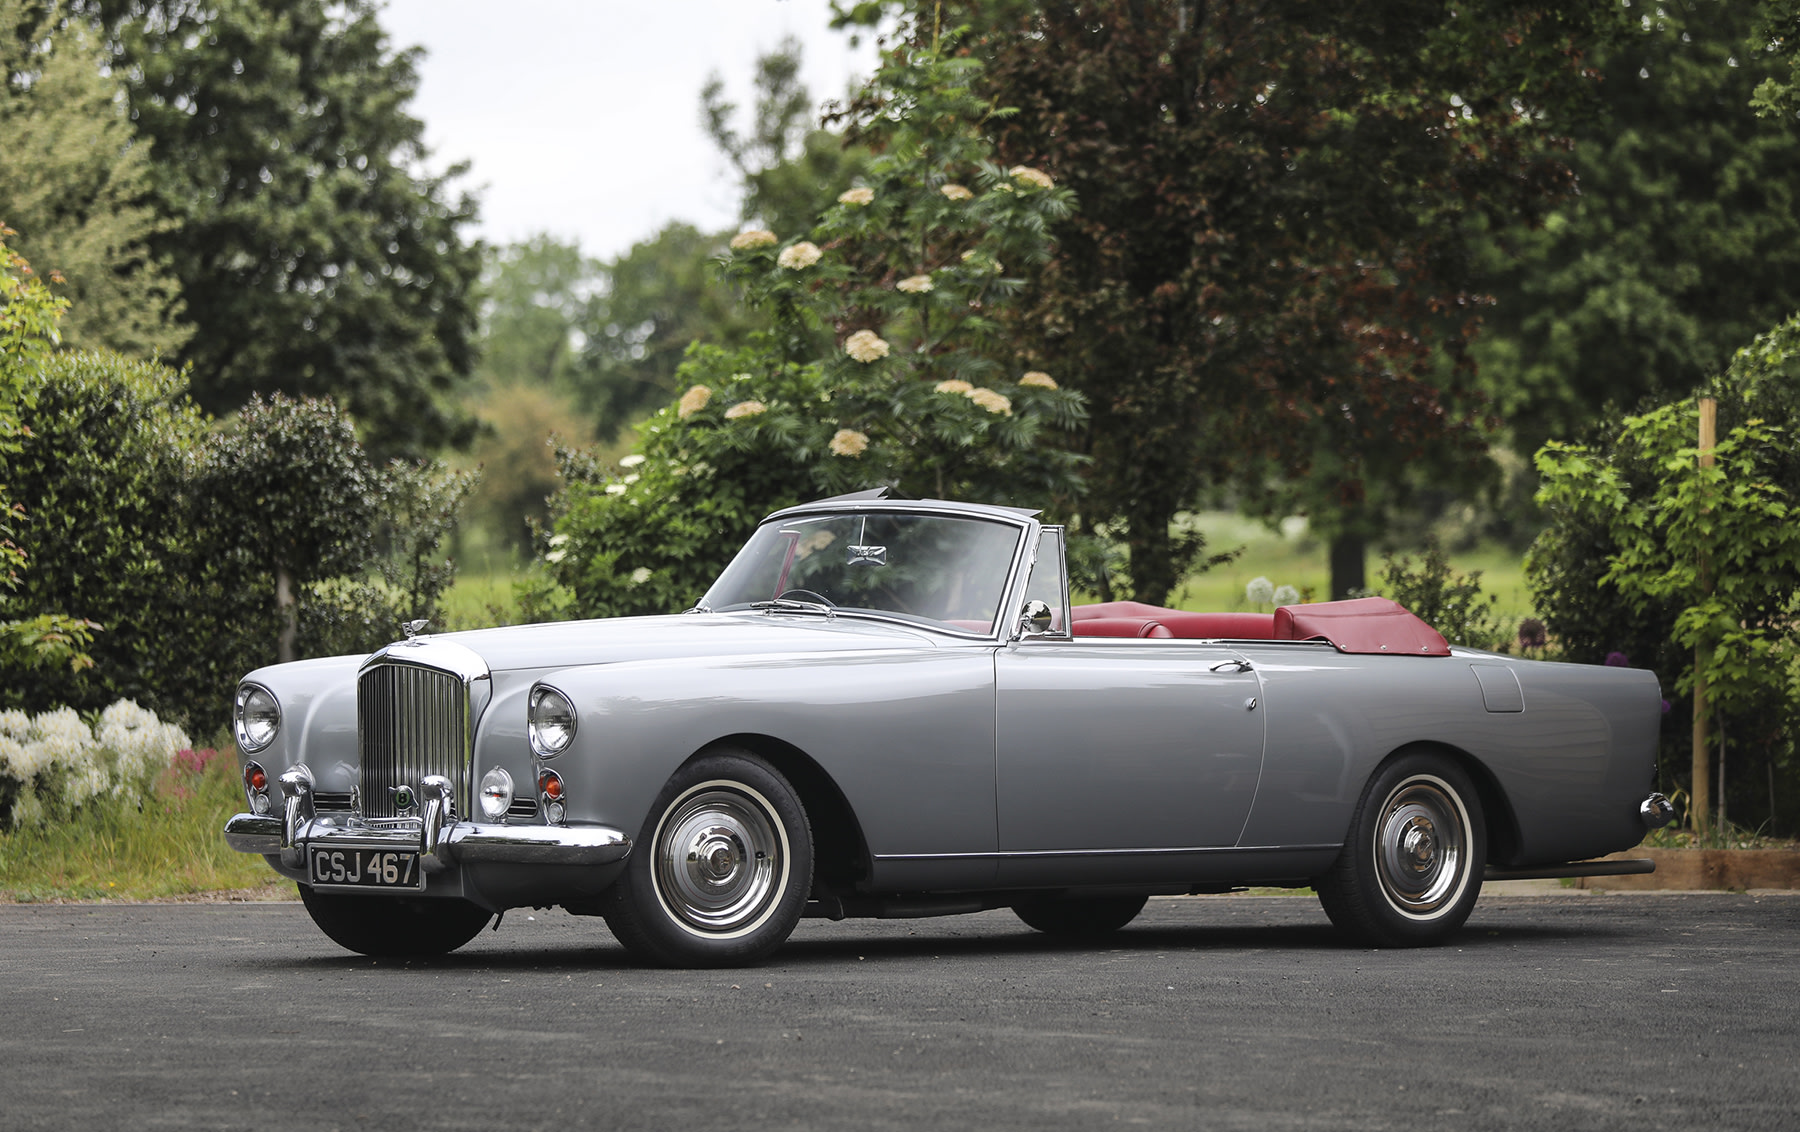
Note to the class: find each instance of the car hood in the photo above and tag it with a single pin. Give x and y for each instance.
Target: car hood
(566, 643)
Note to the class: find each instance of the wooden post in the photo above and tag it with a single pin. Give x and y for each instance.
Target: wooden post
(1700, 807)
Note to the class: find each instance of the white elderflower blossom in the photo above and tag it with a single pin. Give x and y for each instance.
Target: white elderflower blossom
(640, 575)
(632, 460)
(956, 192)
(914, 284)
(991, 401)
(692, 401)
(849, 442)
(1036, 178)
(858, 196)
(866, 346)
(1038, 378)
(799, 256)
(953, 385)
(138, 745)
(754, 238)
(745, 409)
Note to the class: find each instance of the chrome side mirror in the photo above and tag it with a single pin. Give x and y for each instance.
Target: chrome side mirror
(1036, 618)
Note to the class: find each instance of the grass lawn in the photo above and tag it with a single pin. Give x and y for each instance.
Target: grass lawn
(1292, 557)
(172, 846)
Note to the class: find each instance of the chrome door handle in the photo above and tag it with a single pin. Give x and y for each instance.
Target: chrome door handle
(1232, 666)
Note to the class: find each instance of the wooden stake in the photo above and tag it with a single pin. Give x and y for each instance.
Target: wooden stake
(1700, 809)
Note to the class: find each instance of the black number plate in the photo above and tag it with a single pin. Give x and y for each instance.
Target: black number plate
(353, 866)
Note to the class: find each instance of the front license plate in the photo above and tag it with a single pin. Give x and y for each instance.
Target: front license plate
(356, 867)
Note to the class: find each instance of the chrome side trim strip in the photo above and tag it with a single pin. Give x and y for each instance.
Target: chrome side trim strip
(1046, 854)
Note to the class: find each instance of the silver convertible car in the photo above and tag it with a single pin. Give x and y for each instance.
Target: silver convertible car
(888, 708)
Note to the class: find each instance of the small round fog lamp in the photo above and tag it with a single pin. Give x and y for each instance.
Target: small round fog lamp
(496, 793)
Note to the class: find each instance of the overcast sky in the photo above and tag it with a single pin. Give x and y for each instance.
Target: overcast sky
(582, 117)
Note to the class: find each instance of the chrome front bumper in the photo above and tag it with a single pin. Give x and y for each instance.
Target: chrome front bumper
(439, 838)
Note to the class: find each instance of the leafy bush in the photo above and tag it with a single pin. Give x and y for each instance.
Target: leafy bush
(106, 474)
(1634, 516)
(1451, 603)
(28, 316)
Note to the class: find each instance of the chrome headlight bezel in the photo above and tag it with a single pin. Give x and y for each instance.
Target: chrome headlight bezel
(254, 725)
(550, 721)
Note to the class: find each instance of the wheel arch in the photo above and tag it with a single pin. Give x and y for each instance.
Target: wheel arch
(840, 851)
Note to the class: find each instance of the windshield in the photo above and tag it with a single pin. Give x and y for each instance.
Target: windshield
(932, 568)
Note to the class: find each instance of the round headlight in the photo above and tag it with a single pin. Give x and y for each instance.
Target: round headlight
(550, 722)
(496, 793)
(257, 717)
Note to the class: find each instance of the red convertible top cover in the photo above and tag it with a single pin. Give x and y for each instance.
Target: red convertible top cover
(1361, 625)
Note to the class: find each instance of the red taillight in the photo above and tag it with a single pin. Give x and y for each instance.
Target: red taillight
(550, 784)
(255, 779)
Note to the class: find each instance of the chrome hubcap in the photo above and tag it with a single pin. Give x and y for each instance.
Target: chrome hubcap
(1421, 847)
(720, 860)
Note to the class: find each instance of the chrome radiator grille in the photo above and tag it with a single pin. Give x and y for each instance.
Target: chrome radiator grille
(410, 722)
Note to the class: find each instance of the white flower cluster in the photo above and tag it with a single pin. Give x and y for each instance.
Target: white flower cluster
(52, 763)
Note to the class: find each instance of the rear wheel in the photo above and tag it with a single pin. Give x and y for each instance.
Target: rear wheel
(1411, 870)
(722, 870)
(1080, 918)
(380, 925)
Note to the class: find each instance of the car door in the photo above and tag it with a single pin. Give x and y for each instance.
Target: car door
(1115, 754)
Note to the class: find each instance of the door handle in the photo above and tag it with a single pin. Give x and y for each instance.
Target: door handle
(1232, 666)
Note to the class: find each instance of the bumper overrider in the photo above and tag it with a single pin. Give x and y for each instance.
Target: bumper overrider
(436, 835)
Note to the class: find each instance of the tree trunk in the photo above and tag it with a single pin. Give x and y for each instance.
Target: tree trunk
(290, 615)
(1347, 570)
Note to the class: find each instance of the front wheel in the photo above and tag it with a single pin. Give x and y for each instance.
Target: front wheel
(723, 868)
(382, 926)
(1411, 870)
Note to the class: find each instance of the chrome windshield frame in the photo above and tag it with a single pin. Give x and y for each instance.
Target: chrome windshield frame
(1023, 522)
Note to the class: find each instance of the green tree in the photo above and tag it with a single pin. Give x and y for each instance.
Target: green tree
(652, 302)
(1268, 272)
(315, 257)
(535, 296)
(791, 168)
(75, 182)
(290, 478)
(1682, 244)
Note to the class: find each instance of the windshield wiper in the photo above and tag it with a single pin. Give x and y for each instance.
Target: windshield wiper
(795, 605)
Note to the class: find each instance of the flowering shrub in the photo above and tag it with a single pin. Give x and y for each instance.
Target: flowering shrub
(883, 365)
(54, 763)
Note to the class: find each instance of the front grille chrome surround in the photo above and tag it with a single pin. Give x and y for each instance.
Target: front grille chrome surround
(416, 712)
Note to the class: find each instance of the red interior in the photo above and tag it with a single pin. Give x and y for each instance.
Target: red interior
(1363, 625)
